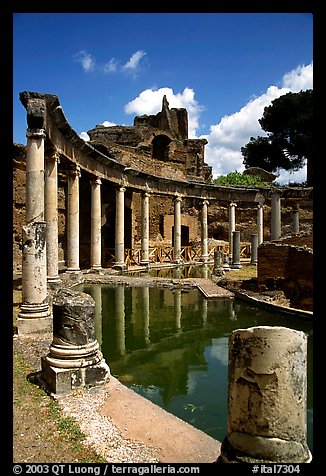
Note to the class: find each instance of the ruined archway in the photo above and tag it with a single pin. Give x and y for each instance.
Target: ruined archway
(160, 145)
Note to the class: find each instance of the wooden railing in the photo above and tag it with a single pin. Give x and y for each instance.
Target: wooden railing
(165, 254)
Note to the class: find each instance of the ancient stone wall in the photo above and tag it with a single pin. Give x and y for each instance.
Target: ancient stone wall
(288, 265)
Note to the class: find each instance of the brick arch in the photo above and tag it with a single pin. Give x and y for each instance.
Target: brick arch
(160, 147)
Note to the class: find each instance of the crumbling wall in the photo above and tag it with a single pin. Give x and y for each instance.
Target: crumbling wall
(288, 265)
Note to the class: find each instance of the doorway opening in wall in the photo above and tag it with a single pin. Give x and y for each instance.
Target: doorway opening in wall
(184, 235)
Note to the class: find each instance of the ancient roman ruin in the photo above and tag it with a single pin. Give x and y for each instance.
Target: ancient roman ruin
(142, 195)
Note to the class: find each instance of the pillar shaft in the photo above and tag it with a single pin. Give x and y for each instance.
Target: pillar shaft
(267, 401)
(34, 284)
(51, 217)
(204, 232)
(144, 259)
(236, 249)
(275, 216)
(119, 226)
(177, 230)
(296, 223)
(96, 224)
(73, 219)
(35, 175)
(254, 249)
(232, 207)
(260, 223)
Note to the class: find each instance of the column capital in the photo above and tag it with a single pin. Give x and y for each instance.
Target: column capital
(146, 194)
(205, 202)
(74, 172)
(178, 197)
(35, 134)
(96, 180)
(121, 188)
(233, 204)
(53, 156)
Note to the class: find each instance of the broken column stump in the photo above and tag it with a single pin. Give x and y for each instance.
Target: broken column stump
(74, 359)
(267, 403)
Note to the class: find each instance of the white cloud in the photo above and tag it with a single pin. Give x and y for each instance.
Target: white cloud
(86, 60)
(113, 65)
(149, 102)
(108, 124)
(85, 136)
(223, 151)
(133, 63)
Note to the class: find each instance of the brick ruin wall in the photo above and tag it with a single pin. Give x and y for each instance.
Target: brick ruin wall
(288, 265)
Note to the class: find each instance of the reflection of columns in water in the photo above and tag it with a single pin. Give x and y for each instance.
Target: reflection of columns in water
(232, 313)
(204, 310)
(177, 309)
(96, 293)
(120, 319)
(204, 271)
(145, 308)
(177, 272)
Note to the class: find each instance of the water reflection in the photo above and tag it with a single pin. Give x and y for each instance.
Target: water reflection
(172, 347)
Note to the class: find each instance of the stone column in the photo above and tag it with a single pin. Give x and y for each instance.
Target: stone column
(236, 250)
(254, 249)
(177, 229)
(267, 397)
(260, 222)
(51, 217)
(119, 227)
(296, 225)
(96, 263)
(231, 227)
(73, 220)
(35, 308)
(275, 216)
(204, 232)
(144, 259)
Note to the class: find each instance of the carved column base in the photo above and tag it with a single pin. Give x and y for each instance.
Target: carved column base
(34, 318)
(64, 380)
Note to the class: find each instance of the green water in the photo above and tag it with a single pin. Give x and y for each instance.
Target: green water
(171, 346)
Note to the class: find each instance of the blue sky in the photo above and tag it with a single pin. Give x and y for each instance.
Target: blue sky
(224, 68)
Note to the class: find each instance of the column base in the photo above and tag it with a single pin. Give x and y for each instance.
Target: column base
(96, 268)
(236, 266)
(65, 380)
(120, 266)
(204, 259)
(264, 450)
(34, 318)
(72, 270)
(54, 282)
(144, 263)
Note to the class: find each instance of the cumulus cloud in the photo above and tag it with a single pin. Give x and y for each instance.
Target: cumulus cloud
(225, 139)
(150, 102)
